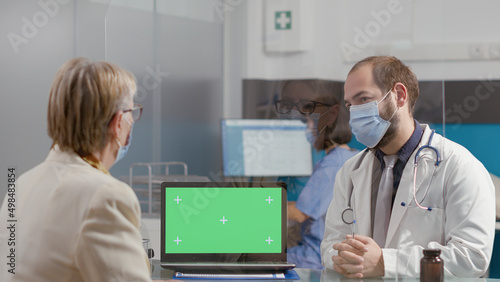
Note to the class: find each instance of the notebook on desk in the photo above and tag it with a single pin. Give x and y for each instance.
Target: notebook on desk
(230, 226)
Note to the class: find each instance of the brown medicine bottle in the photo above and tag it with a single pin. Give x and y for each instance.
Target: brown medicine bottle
(431, 266)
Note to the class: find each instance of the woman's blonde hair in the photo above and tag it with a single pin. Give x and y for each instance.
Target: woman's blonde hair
(84, 97)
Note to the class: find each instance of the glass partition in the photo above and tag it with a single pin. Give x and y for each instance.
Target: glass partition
(174, 48)
(129, 42)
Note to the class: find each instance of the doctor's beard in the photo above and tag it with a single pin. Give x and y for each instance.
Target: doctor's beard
(392, 131)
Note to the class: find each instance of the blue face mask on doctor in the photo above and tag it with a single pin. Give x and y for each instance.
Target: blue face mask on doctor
(366, 123)
(122, 150)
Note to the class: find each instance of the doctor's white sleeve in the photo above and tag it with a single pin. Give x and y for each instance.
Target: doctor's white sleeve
(335, 229)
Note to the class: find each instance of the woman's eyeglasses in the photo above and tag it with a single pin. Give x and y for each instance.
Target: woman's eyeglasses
(136, 111)
(304, 107)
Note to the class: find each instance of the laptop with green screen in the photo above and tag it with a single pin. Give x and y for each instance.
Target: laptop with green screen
(224, 226)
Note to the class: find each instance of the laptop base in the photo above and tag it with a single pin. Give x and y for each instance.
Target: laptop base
(219, 268)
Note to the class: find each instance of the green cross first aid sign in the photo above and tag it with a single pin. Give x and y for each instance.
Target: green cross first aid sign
(288, 25)
(283, 20)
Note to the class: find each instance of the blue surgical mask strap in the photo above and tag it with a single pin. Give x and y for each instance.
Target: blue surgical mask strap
(122, 150)
(397, 108)
(384, 96)
(309, 135)
(319, 117)
(118, 141)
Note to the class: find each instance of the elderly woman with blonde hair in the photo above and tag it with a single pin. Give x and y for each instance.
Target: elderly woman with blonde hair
(75, 221)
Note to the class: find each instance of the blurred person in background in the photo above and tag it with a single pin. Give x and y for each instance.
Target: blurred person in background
(318, 103)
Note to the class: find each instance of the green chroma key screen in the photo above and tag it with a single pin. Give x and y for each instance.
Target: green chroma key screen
(223, 220)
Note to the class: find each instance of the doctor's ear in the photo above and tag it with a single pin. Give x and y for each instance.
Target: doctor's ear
(401, 94)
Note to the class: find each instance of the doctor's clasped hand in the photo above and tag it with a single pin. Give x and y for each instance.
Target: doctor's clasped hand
(358, 257)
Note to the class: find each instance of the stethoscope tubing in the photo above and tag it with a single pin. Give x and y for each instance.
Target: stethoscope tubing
(427, 146)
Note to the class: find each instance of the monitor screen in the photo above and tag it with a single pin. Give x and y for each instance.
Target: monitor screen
(265, 147)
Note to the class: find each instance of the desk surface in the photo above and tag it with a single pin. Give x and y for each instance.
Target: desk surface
(306, 275)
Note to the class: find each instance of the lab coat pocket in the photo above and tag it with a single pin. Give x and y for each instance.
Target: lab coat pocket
(421, 226)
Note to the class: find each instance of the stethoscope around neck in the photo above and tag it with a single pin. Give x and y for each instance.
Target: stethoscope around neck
(415, 166)
(348, 213)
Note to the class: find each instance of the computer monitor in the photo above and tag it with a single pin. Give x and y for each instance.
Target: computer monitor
(265, 147)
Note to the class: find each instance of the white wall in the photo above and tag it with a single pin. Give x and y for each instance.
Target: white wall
(434, 37)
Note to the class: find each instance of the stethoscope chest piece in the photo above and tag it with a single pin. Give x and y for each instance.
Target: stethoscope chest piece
(348, 216)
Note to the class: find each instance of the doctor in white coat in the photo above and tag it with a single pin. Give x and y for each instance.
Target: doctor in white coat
(452, 209)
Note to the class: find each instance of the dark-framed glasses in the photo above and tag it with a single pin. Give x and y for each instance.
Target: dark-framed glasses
(304, 107)
(136, 111)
